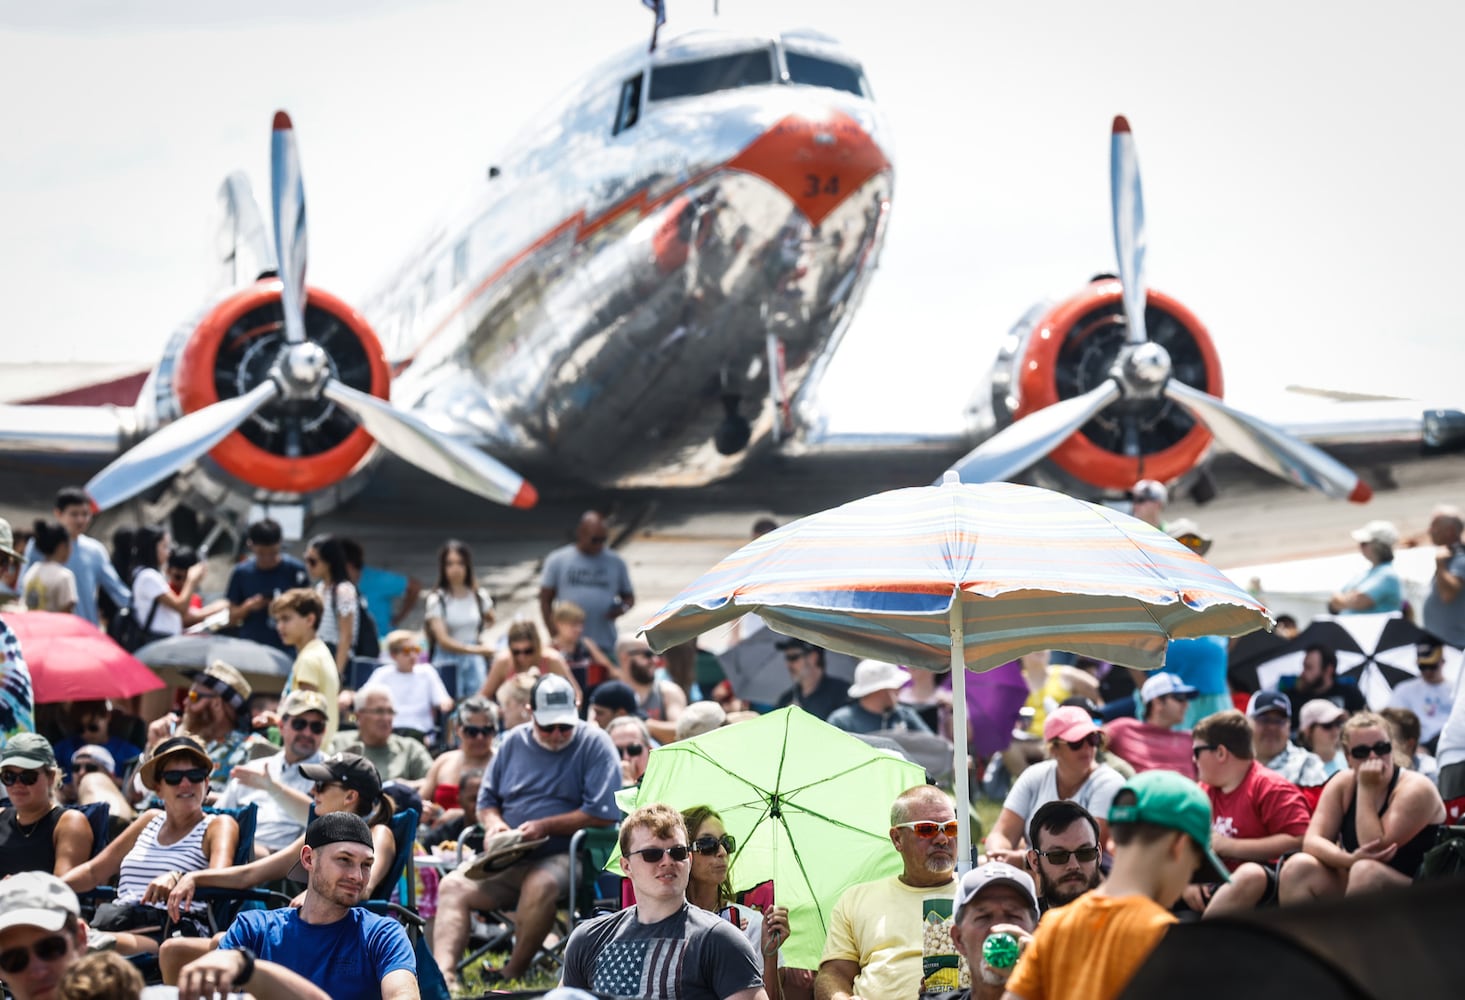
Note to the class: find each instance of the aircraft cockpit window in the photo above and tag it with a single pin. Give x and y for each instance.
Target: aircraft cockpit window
(628, 108)
(705, 76)
(816, 72)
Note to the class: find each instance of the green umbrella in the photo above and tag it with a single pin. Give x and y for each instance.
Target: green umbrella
(808, 804)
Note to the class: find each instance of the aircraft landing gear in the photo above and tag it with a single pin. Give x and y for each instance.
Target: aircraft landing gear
(733, 433)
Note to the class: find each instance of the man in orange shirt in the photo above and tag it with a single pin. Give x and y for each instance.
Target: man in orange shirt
(1161, 826)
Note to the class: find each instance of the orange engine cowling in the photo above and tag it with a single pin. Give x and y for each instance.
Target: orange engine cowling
(289, 446)
(1071, 349)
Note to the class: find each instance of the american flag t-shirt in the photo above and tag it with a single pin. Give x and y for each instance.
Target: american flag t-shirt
(644, 968)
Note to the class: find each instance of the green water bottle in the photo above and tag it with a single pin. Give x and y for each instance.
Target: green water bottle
(1000, 951)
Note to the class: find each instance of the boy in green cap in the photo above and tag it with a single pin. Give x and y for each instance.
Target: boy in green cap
(1160, 823)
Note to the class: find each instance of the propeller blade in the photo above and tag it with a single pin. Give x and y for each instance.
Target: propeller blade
(413, 441)
(288, 205)
(1269, 448)
(1129, 226)
(171, 448)
(1029, 441)
(244, 247)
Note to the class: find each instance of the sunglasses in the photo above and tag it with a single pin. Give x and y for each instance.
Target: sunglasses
(709, 845)
(314, 725)
(926, 829)
(1361, 752)
(196, 695)
(195, 776)
(559, 727)
(321, 786)
(599, 539)
(791, 657)
(1196, 751)
(632, 750)
(1058, 856)
(1335, 724)
(522, 650)
(14, 960)
(26, 778)
(653, 855)
(1091, 740)
(476, 730)
(86, 767)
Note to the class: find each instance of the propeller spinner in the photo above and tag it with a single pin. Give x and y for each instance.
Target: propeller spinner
(302, 370)
(1142, 370)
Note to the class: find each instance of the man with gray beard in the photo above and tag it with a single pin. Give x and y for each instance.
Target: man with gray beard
(892, 937)
(1065, 853)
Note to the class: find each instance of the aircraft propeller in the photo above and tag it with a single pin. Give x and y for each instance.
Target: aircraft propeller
(302, 371)
(1142, 371)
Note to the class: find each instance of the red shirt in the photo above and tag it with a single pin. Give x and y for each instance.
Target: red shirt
(1265, 803)
(1151, 748)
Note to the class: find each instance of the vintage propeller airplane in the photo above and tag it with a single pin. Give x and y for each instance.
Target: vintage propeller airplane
(648, 289)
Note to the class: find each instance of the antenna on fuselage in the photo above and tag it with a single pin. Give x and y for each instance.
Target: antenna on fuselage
(659, 6)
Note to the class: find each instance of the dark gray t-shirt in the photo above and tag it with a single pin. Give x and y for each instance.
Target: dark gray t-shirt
(593, 582)
(691, 955)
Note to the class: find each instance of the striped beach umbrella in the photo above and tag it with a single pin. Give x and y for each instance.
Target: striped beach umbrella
(970, 575)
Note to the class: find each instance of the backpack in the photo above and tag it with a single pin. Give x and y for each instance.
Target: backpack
(1447, 856)
(127, 631)
(368, 640)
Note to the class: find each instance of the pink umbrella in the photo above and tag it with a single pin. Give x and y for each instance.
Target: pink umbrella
(70, 659)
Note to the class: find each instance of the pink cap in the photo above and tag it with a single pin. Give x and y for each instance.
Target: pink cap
(1068, 723)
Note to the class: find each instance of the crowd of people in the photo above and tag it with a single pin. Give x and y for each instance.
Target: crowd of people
(1128, 800)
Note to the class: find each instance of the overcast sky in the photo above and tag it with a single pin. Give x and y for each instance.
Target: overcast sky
(1303, 188)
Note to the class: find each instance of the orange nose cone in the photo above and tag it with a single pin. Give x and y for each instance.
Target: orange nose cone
(817, 163)
(1361, 492)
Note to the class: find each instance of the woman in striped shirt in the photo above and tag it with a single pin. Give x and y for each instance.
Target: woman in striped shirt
(153, 853)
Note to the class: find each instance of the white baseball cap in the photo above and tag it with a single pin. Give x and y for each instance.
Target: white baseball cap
(553, 701)
(990, 874)
(36, 899)
(1377, 531)
(1160, 684)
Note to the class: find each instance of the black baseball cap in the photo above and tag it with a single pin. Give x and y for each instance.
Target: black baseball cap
(618, 696)
(351, 770)
(338, 828)
(798, 644)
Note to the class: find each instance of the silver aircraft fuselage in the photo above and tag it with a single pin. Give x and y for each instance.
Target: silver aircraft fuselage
(647, 259)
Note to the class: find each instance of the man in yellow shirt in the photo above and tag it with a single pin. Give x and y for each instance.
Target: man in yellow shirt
(297, 616)
(892, 937)
(1161, 826)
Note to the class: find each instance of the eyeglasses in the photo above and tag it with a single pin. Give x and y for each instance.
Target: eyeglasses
(1091, 740)
(926, 829)
(522, 650)
(14, 960)
(476, 730)
(1058, 856)
(314, 725)
(1196, 751)
(653, 855)
(709, 845)
(26, 778)
(632, 750)
(194, 775)
(87, 767)
(1361, 752)
(559, 727)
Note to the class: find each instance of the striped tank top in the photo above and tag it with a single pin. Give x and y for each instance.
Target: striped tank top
(148, 859)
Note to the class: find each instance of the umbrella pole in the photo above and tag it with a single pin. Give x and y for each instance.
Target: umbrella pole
(958, 735)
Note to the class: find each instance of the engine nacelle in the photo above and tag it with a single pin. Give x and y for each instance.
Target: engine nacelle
(1070, 348)
(290, 448)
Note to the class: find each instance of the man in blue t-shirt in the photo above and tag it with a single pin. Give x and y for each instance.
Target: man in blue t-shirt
(549, 778)
(349, 952)
(258, 580)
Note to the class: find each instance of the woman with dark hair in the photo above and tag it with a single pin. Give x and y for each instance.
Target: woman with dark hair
(156, 851)
(710, 886)
(325, 561)
(37, 834)
(157, 607)
(48, 585)
(458, 609)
